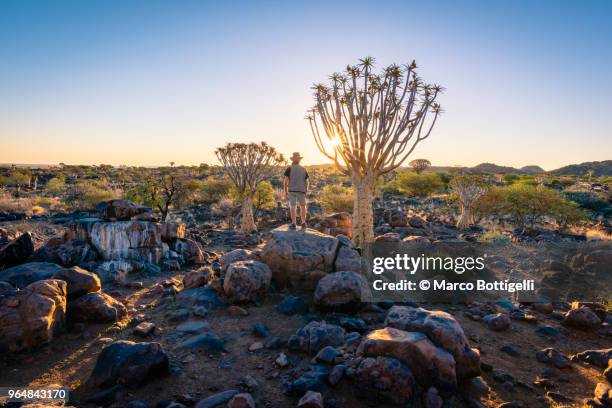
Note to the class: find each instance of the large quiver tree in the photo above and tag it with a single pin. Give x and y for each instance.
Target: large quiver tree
(368, 124)
(247, 165)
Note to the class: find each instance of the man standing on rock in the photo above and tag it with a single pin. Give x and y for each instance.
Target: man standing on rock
(296, 186)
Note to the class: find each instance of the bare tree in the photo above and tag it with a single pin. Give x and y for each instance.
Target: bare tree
(420, 165)
(247, 165)
(467, 189)
(368, 124)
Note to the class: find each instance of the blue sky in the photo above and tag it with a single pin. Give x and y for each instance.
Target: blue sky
(148, 82)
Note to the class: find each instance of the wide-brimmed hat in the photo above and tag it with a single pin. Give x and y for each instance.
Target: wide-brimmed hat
(296, 155)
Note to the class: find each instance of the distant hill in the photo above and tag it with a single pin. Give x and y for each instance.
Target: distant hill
(601, 168)
(532, 169)
(493, 168)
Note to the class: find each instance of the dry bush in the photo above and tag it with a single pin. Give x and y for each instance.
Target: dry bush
(336, 198)
(10, 204)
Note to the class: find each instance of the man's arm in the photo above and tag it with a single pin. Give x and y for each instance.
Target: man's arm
(286, 184)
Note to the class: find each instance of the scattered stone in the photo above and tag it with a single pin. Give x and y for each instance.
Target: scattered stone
(128, 363)
(314, 379)
(336, 374)
(547, 331)
(144, 329)
(582, 318)
(196, 279)
(208, 342)
(274, 343)
(96, 307)
(246, 281)
(598, 358)
(311, 399)
(479, 386)
(551, 356)
(384, 378)
(237, 311)
(291, 305)
(511, 351)
(282, 360)
(543, 307)
(558, 398)
(417, 222)
(243, 400)
(192, 327)
(353, 324)
(137, 404)
(107, 396)
(203, 296)
(258, 345)
(326, 355)
(260, 330)
(603, 394)
(315, 336)
(217, 400)
(431, 398)
(121, 210)
(497, 322)
(342, 291)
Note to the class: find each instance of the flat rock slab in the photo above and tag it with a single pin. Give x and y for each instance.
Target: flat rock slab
(192, 327)
(217, 399)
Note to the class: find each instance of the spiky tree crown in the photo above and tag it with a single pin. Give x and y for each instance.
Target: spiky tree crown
(249, 164)
(370, 123)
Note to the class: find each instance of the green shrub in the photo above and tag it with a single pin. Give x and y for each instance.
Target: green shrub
(213, 189)
(416, 185)
(84, 195)
(336, 198)
(55, 186)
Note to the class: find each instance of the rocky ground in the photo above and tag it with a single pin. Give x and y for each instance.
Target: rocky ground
(185, 319)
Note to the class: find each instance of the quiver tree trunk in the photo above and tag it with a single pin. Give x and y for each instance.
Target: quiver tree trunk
(363, 219)
(247, 221)
(465, 218)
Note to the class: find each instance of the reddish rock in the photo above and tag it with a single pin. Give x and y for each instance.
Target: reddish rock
(311, 399)
(96, 307)
(342, 291)
(33, 316)
(246, 281)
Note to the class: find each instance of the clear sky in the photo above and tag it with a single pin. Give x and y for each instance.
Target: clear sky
(149, 82)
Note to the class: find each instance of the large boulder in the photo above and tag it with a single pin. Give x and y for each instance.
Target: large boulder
(236, 255)
(127, 240)
(32, 317)
(443, 330)
(299, 258)
(128, 363)
(582, 318)
(23, 275)
(79, 280)
(384, 378)
(67, 253)
(342, 291)
(121, 210)
(246, 281)
(431, 365)
(96, 307)
(16, 251)
(348, 259)
(197, 278)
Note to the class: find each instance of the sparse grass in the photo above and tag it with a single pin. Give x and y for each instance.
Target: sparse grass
(494, 236)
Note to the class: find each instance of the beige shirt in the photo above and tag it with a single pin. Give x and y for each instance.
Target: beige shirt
(297, 178)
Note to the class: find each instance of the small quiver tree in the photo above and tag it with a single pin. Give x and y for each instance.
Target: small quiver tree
(368, 124)
(467, 189)
(247, 165)
(420, 165)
